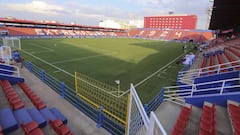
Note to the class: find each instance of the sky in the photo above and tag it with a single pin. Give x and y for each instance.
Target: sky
(90, 12)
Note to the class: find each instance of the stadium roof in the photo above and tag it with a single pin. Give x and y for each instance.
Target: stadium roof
(26, 23)
(225, 14)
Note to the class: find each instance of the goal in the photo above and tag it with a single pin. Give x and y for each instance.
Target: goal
(14, 43)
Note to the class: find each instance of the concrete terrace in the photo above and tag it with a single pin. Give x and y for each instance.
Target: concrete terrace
(78, 122)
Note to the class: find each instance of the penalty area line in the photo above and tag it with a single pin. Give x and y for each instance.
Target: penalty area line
(156, 72)
(56, 71)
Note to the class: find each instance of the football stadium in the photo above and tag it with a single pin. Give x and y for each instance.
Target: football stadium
(167, 76)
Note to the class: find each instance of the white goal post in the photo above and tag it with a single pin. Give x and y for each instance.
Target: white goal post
(12, 42)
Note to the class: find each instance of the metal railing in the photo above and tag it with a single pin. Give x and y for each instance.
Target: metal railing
(190, 75)
(138, 121)
(10, 70)
(177, 94)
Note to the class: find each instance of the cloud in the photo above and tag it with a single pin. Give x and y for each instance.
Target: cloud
(37, 7)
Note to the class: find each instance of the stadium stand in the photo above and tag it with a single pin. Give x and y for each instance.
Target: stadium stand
(11, 95)
(233, 111)
(30, 120)
(38, 103)
(182, 121)
(173, 34)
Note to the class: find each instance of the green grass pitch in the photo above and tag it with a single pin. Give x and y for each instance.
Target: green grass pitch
(107, 60)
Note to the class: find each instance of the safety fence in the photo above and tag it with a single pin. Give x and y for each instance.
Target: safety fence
(177, 94)
(95, 113)
(138, 121)
(97, 94)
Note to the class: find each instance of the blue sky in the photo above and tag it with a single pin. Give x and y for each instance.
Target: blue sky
(90, 12)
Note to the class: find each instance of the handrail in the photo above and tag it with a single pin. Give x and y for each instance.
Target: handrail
(153, 118)
(15, 72)
(190, 90)
(209, 67)
(191, 74)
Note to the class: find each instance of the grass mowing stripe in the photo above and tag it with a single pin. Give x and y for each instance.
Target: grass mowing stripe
(82, 58)
(48, 63)
(46, 48)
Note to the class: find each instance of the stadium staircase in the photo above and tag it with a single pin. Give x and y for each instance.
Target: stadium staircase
(19, 115)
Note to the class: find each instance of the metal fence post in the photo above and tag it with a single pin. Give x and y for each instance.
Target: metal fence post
(162, 94)
(42, 75)
(30, 66)
(63, 90)
(100, 117)
(145, 107)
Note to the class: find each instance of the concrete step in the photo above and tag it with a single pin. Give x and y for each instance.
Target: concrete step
(194, 121)
(167, 114)
(223, 125)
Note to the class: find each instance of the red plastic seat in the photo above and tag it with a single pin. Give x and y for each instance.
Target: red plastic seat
(36, 131)
(13, 97)
(40, 105)
(56, 123)
(29, 127)
(17, 105)
(62, 130)
(8, 95)
(14, 100)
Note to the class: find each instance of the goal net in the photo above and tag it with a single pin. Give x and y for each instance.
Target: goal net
(14, 43)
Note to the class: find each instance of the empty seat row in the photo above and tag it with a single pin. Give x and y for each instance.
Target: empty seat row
(60, 128)
(208, 119)
(37, 101)
(233, 51)
(234, 113)
(11, 95)
(181, 124)
(204, 62)
(220, 61)
(31, 128)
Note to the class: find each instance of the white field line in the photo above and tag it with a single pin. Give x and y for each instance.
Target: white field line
(150, 76)
(83, 58)
(153, 74)
(49, 64)
(56, 71)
